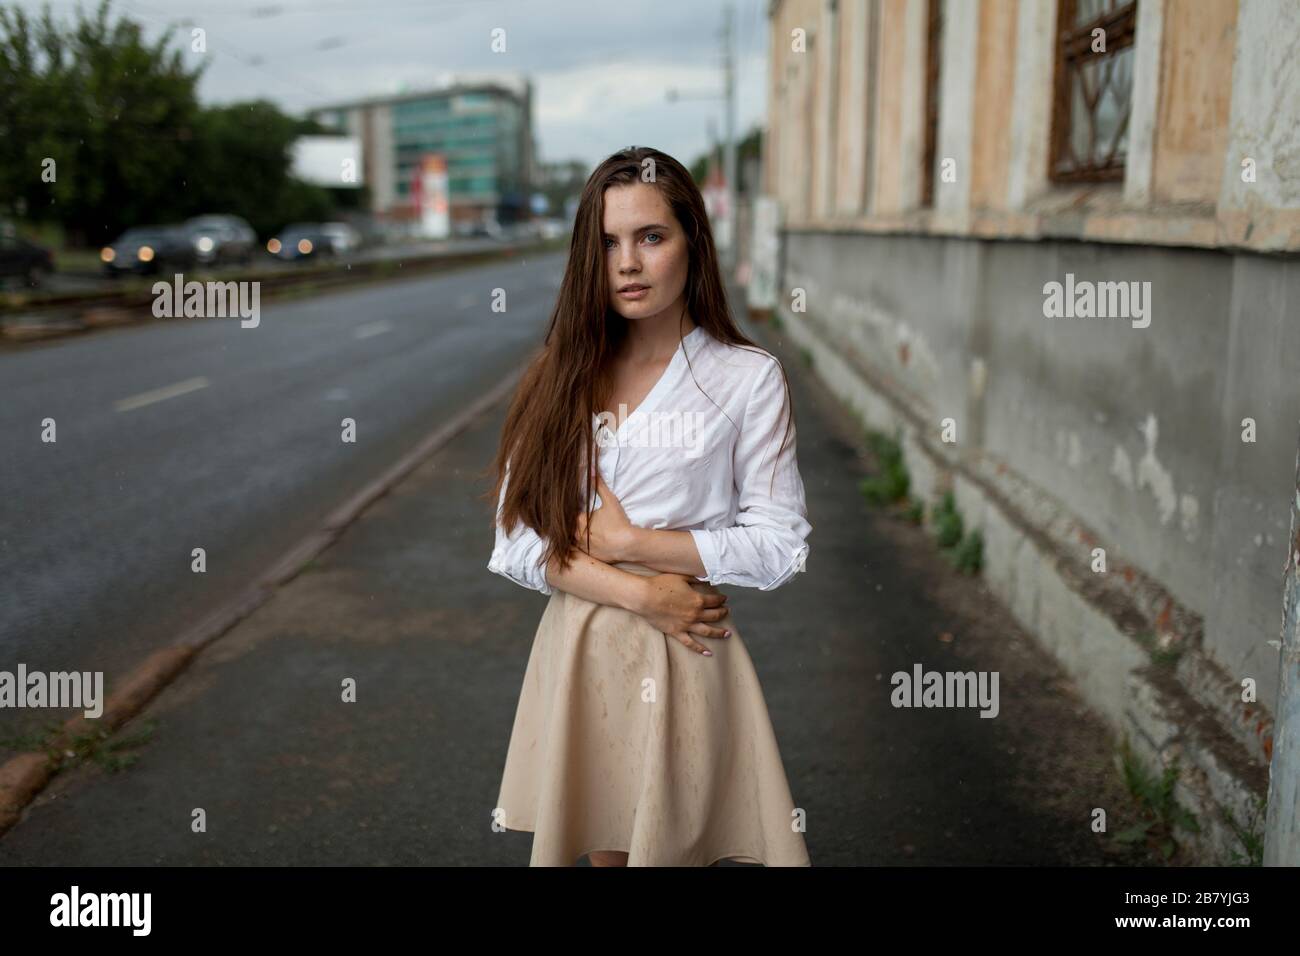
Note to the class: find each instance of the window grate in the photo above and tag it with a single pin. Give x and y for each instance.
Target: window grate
(1094, 90)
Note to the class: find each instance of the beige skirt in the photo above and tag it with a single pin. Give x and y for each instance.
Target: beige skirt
(626, 739)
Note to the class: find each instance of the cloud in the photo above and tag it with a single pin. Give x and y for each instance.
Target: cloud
(600, 78)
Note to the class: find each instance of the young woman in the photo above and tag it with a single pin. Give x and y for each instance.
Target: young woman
(648, 456)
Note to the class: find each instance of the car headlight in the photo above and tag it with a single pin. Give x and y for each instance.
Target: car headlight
(107, 254)
(304, 246)
(204, 243)
(145, 254)
(273, 247)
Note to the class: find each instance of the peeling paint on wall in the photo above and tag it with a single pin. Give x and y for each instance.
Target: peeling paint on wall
(1189, 509)
(1122, 468)
(1069, 447)
(1151, 474)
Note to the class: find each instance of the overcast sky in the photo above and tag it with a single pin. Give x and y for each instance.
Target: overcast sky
(600, 72)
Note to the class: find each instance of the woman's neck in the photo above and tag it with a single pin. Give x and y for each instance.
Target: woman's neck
(657, 336)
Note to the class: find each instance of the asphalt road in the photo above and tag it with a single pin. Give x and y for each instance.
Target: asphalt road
(257, 735)
(188, 433)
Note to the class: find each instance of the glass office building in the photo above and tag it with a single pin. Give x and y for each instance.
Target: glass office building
(483, 130)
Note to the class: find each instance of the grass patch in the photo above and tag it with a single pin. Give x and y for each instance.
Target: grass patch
(1161, 815)
(32, 740)
(947, 522)
(968, 555)
(890, 486)
(964, 549)
(1161, 656)
(96, 745)
(892, 482)
(915, 512)
(1249, 835)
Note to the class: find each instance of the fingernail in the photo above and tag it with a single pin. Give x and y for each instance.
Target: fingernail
(708, 653)
(726, 634)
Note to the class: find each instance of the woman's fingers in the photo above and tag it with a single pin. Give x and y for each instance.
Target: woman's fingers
(713, 613)
(706, 630)
(702, 630)
(712, 598)
(691, 642)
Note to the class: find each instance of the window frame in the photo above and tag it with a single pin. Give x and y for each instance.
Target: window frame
(1073, 45)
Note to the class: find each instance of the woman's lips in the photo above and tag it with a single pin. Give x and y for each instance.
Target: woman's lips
(635, 293)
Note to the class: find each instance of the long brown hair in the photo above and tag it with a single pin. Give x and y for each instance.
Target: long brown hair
(549, 427)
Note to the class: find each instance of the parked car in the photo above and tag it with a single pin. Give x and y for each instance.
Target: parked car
(149, 250)
(343, 238)
(517, 231)
(301, 241)
(23, 259)
(473, 228)
(220, 238)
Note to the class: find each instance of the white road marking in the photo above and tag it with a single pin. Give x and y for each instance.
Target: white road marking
(160, 394)
(373, 328)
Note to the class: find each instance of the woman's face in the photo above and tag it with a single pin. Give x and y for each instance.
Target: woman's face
(644, 246)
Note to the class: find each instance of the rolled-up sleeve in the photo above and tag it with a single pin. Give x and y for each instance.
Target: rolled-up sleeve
(517, 555)
(768, 544)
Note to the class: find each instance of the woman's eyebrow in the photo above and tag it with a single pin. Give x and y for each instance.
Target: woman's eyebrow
(654, 225)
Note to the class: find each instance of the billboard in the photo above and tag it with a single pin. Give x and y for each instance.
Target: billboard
(430, 194)
(333, 161)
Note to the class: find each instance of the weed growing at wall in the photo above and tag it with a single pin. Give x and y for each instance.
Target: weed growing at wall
(947, 522)
(892, 482)
(964, 549)
(1162, 815)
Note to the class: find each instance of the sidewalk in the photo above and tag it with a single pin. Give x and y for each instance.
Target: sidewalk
(256, 734)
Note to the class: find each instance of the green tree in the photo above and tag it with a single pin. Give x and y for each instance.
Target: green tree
(114, 113)
(242, 167)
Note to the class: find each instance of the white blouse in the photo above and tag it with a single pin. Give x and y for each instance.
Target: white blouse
(678, 463)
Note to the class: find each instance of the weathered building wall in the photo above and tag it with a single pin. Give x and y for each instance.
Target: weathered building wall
(1138, 430)
(1073, 433)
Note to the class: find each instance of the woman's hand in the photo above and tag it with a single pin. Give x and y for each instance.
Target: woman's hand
(611, 531)
(680, 605)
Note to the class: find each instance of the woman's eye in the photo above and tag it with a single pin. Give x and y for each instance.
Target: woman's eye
(657, 235)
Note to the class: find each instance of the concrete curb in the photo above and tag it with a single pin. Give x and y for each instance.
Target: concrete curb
(24, 776)
(1094, 625)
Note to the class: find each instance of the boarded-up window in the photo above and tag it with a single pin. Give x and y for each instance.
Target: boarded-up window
(1094, 87)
